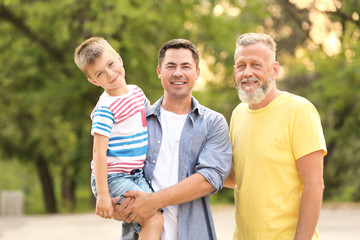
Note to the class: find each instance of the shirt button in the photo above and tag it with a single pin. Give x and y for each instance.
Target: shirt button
(154, 161)
(159, 142)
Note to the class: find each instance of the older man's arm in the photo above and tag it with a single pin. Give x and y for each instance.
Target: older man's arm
(311, 171)
(230, 180)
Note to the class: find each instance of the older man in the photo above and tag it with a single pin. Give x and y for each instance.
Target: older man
(278, 149)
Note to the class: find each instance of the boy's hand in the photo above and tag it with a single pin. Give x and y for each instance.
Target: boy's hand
(104, 207)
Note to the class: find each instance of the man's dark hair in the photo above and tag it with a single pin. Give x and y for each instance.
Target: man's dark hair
(177, 44)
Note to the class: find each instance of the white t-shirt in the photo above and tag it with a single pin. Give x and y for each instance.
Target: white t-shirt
(166, 169)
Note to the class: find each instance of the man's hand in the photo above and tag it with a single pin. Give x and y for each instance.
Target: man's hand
(118, 213)
(143, 207)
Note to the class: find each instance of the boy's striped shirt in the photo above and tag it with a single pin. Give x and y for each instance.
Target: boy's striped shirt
(123, 120)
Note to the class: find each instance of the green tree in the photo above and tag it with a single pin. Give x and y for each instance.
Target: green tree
(46, 100)
(329, 75)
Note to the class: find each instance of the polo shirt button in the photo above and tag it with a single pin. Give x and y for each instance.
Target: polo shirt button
(158, 142)
(154, 161)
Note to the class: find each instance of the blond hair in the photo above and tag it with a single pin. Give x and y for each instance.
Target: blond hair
(89, 50)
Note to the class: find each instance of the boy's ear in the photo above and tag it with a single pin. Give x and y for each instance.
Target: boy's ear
(121, 61)
(93, 82)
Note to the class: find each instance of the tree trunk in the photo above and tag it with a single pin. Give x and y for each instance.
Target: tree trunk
(68, 189)
(47, 185)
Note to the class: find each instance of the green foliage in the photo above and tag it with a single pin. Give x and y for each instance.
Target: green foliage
(332, 83)
(46, 101)
(18, 176)
(224, 196)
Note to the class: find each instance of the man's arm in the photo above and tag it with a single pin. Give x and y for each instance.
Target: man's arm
(230, 180)
(213, 165)
(311, 171)
(146, 205)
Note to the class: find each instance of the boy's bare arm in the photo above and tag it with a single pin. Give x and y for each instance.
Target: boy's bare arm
(104, 206)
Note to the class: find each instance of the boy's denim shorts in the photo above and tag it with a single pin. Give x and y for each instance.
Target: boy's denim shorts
(120, 183)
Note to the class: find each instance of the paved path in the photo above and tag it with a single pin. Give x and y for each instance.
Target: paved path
(337, 222)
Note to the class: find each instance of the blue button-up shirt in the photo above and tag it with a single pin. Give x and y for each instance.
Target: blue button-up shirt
(205, 148)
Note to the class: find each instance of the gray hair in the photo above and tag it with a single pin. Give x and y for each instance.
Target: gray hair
(253, 38)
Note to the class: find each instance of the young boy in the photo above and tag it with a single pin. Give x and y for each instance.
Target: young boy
(120, 132)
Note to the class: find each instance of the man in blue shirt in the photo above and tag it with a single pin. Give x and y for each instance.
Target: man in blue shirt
(189, 154)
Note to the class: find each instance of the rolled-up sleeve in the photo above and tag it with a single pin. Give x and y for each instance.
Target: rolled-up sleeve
(214, 159)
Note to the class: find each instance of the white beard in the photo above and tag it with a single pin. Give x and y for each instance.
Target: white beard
(256, 96)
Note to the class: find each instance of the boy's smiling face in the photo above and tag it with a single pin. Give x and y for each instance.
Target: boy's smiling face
(107, 71)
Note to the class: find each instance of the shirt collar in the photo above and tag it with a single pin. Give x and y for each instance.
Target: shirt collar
(155, 108)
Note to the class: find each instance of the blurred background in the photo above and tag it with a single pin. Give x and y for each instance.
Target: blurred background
(45, 101)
